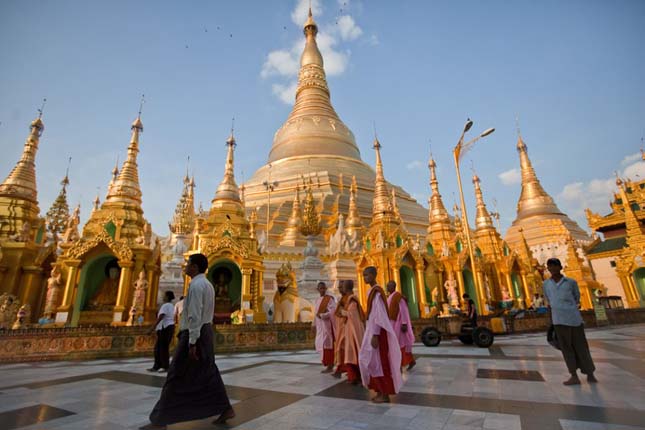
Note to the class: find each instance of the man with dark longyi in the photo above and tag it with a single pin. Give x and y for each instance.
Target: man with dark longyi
(194, 388)
(564, 297)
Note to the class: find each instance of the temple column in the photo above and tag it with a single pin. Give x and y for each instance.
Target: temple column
(630, 291)
(527, 291)
(397, 278)
(509, 285)
(483, 309)
(424, 309)
(245, 303)
(441, 290)
(31, 283)
(152, 295)
(460, 284)
(122, 294)
(362, 293)
(63, 313)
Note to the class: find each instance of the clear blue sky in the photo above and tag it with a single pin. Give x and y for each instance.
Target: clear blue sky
(572, 70)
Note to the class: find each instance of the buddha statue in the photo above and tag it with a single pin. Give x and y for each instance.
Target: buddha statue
(223, 306)
(104, 297)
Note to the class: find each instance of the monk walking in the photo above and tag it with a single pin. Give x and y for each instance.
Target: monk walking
(353, 333)
(400, 317)
(339, 344)
(194, 388)
(380, 355)
(324, 327)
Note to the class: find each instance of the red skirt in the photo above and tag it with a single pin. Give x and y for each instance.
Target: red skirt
(406, 357)
(383, 384)
(328, 357)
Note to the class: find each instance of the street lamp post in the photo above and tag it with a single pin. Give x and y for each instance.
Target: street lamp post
(458, 153)
(269, 186)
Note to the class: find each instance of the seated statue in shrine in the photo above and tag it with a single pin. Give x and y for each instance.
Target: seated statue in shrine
(223, 304)
(104, 297)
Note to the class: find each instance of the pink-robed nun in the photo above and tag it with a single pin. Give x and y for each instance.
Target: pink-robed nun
(380, 355)
(400, 317)
(324, 326)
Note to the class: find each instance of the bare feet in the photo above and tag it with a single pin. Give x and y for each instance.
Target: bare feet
(337, 374)
(381, 398)
(573, 380)
(226, 415)
(152, 427)
(591, 378)
(327, 369)
(411, 365)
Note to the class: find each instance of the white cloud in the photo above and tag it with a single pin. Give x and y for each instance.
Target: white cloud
(286, 93)
(373, 40)
(595, 194)
(301, 11)
(629, 159)
(511, 177)
(348, 28)
(572, 192)
(635, 171)
(412, 165)
(280, 62)
(284, 64)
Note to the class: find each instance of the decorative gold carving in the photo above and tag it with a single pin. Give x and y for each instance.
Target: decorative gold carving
(82, 246)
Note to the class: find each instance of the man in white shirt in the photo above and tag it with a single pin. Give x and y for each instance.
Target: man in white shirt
(194, 388)
(165, 328)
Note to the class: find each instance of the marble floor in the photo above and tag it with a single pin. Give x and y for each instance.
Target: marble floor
(516, 384)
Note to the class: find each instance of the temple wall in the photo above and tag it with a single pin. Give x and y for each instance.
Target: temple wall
(606, 275)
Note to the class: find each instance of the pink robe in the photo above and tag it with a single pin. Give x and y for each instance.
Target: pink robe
(406, 339)
(369, 359)
(324, 323)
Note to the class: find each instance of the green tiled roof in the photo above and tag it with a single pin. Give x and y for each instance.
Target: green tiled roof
(608, 245)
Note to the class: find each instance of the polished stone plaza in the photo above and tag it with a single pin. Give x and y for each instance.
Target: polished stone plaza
(516, 384)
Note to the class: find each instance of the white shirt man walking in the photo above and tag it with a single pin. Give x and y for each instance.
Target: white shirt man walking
(564, 297)
(194, 388)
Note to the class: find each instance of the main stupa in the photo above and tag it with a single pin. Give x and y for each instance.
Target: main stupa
(315, 144)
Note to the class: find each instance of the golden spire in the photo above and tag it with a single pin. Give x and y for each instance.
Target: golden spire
(58, 214)
(533, 199)
(125, 187)
(97, 203)
(313, 127)
(528, 254)
(483, 220)
(353, 222)
(295, 219)
(437, 213)
(228, 189)
(310, 218)
(381, 205)
(21, 182)
(183, 220)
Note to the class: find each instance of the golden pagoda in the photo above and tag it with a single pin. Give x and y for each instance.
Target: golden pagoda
(316, 143)
(545, 229)
(227, 238)
(619, 260)
(112, 271)
(25, 255)
(388, 246)
(537, 214)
